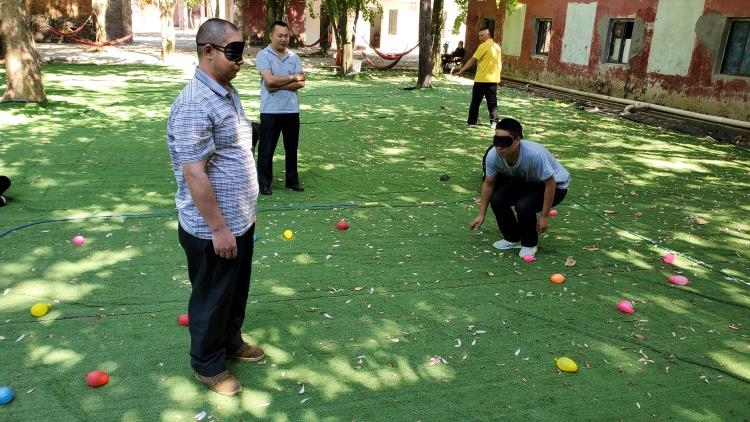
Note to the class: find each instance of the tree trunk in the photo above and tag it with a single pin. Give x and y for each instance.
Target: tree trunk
(275, 10)
(424, 77)
(325, 24)
(22, 71)
(238, 17)
(166, 12)
(437, 28)
(127, 19)
(99, 9)
(345, 50)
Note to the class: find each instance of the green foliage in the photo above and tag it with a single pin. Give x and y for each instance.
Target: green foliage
(463, 5)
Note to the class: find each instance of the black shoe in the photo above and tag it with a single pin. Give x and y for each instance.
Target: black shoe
(2, 201)
(265, 190)
(296, 188)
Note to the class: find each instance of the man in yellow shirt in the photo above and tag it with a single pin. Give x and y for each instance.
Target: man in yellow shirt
(489, 63)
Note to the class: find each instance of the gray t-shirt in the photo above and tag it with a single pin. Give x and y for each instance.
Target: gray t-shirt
(282, 101)
(535, 164)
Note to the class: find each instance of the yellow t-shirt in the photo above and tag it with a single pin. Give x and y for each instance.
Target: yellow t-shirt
(489, 62)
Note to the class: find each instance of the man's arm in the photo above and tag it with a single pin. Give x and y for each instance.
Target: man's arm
(204, 198)
(468, 65)
(487, 188)
(549, 195)
(278, 82)
(291, 86)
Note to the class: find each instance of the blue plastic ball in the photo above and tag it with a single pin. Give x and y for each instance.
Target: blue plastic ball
(6, 395)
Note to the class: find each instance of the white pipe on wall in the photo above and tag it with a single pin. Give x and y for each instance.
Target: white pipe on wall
(637, 105)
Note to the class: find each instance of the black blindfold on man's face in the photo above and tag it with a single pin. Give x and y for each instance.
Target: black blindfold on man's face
(232, 51)
(502, 141)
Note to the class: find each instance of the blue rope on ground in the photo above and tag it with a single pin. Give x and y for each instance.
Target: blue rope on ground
(276, 208)
(380, 204)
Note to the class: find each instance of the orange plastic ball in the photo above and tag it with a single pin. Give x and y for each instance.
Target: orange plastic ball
(557, 278)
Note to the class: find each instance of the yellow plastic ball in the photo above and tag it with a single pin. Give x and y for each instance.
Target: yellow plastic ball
(39, 309)
(566, 364)
(288, 234)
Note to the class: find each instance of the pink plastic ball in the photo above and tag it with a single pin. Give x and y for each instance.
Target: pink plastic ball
(679, 280)
(552, 213)
(668, 258)
(625, 306)
(79, 240)
(529, 258)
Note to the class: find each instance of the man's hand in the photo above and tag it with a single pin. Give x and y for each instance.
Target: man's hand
(459, 73)
(298, 77)
(542, 225)
(225, 244)
(477, 222)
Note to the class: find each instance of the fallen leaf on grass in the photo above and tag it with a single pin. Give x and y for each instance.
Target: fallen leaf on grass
(591, 248)
(569, 261)
(699, 220)
(639, 336)
(734, 327)
(359, 288)
(637, 213)
(609, 212)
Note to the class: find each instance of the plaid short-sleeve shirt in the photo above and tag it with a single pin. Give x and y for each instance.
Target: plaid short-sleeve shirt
(207, 122)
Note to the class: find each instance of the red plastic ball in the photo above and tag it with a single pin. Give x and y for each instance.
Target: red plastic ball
(97, 378)
(342, 225)
(183, 320)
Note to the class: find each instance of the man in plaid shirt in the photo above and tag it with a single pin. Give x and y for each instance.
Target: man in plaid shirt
(210, 143)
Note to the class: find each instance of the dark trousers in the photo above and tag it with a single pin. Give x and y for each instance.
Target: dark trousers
(271, 126)
(217, 303)
(528, 199)
(487, 90)
(4, 184)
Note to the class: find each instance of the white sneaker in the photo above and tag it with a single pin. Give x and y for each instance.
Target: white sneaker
(493, 125)
(525, 250)
(504, 244)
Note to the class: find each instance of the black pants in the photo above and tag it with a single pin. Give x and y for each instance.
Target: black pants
(217, 303)
(481, 90)
(528, 199)
(4, 184)
(271, 126)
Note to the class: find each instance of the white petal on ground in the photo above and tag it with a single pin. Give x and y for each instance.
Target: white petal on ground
(20, 338)
(458, 342)
(304, 400)
(517, 352)
(302, 390)
(473, 342)
(325, 314)
(200, 416)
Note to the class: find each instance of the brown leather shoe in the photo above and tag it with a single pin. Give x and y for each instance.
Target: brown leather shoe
(248, 353)
(225, 383)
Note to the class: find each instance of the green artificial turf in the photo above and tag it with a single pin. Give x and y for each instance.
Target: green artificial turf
(406, 316)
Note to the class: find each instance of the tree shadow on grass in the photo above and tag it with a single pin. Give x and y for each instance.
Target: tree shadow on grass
(427, 281)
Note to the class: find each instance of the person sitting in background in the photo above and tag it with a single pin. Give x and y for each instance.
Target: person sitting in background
(454, 58)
